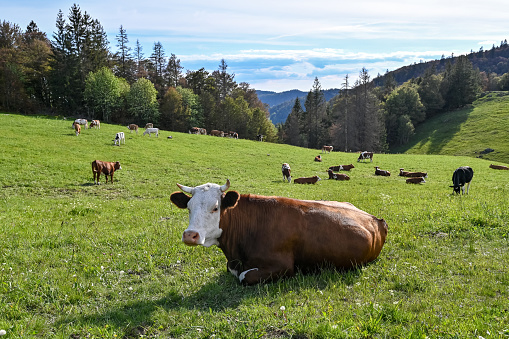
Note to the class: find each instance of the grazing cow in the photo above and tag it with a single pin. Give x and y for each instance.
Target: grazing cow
(194, 130)
(234, 135)
(461, 176)
(259, 137)
(412, 174)
(337, 176)
(77, 129)
(499, 167)
(286, 170)
(342, 167)
(270, 238)
(383, 173)
(216, 133)
(415, 180)
(327, 148)
(149, 125)
(149, 131)
(119, 138)
(318, 158)
(83, 122)
(96, 124)
(105, 167)
(307, 180)
(203, 131)
(132, 127)
(365, 155)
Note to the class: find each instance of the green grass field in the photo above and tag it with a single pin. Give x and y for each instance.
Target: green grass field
(79, 260)
(467, 131)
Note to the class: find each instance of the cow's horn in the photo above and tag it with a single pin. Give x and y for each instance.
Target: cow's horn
(185, 188)
(225, 186)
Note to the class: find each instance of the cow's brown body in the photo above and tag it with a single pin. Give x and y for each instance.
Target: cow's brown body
(412, 174)
(318, 158)
(337, 176)
(499, 167)
(307, 180)
(383, 173)
(77, 129)
(415, 180)
(342, 167)
(326, 148)
(271, 237)
(216, 133)
(133, 127)
(105, 167)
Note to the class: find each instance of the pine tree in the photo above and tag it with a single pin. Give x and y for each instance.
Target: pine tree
(123, 56)
(174, 71)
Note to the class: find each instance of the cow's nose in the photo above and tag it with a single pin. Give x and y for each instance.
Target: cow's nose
(190, 238)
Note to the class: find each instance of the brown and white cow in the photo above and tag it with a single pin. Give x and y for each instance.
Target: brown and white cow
(77, 129)
(203, 131)
(216, 133)
(269, 238)
(132, 127)
(365, 155)
(342, 167)
(307, 180)
(194, 130)
(149, 125)
(96, 124)
(286, 170)
(415, 180)
(326, 148)
(383, 173)
(412, 174)
(318, 158)
(105, 167)
(499, 167)
(337, 176)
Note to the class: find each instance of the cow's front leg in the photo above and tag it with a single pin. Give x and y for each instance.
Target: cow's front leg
(266, 273)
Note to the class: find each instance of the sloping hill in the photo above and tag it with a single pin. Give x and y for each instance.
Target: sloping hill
(469, 131)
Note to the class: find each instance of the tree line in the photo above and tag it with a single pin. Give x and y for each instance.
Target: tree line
(76, 74)
(378, 114)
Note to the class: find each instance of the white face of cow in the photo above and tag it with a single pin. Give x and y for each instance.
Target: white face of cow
(204, 213)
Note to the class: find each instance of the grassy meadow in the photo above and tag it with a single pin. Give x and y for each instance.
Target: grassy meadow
(467, 131)
(79, 260)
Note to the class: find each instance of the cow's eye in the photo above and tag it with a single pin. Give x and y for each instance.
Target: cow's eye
(215, 209)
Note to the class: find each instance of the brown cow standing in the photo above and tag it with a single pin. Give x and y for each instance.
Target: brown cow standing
(499, 167)
(77, 129)
(307, 180)
(133, 127)
(342, 167)
(217, 133)
(268, 238)
(326, 148)
(365, 155)
(105, 167)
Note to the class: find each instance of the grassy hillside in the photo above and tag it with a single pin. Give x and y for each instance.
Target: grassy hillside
(467, 131)
(79, 260)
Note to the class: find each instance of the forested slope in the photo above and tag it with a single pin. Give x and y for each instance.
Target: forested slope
(470, 131)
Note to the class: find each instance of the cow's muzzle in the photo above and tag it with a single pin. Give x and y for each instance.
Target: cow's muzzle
(191, 238)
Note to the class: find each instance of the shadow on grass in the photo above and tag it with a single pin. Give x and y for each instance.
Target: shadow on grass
(219, 295)
(438, 132)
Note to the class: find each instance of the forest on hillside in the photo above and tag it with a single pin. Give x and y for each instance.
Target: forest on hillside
(77, 74)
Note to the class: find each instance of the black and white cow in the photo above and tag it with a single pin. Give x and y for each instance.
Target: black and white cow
(461, 176)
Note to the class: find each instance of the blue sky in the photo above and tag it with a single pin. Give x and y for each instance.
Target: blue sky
(281, 45)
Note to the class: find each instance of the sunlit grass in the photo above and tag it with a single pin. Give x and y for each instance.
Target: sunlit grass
(82, 260)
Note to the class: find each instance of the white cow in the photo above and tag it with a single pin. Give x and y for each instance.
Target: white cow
(83, 122)
(149, 131)
(119, 138)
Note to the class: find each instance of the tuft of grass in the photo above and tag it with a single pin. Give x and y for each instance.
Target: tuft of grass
(82, 260)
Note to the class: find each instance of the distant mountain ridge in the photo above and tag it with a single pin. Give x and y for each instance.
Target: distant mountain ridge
(281, 103)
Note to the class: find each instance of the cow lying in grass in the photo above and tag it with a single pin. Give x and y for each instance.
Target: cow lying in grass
(269, 238)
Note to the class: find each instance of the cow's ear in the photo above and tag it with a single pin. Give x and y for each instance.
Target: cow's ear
(180, 199)
(230, 199)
